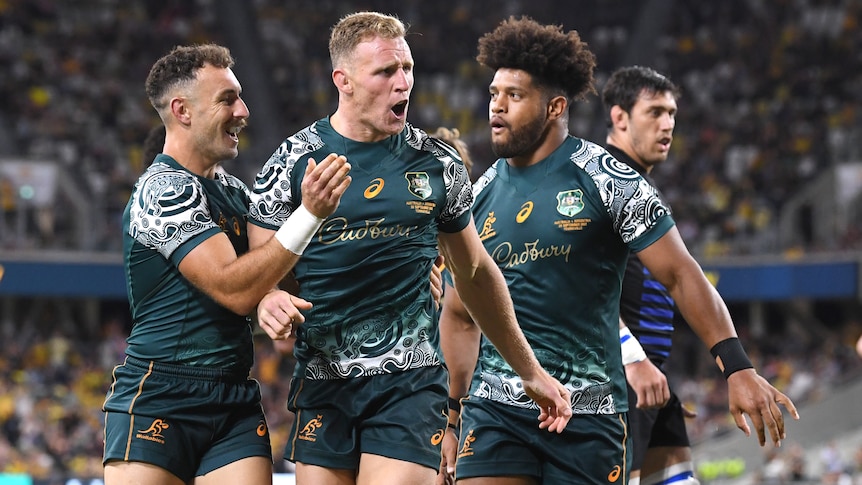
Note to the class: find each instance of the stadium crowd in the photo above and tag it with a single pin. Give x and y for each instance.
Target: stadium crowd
(768, 94)
(769, 102)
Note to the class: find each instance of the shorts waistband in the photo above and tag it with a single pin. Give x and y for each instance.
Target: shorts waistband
(188, 371)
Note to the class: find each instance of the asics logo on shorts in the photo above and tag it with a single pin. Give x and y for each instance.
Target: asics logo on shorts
(437, 437)
(308, 432)
(615, 473)
(154, 432)
(261, 429)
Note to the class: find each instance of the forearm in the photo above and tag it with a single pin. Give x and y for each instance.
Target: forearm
(702, 307)
(243, 282)
(460, 339)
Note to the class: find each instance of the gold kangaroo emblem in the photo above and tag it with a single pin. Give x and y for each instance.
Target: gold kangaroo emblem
(487, 229)
(156, 428)
(308, 431)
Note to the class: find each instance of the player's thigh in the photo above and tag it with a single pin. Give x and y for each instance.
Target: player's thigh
(662, 457)
(313, 474)
(129, 472)
(380, 470)
(256, 470)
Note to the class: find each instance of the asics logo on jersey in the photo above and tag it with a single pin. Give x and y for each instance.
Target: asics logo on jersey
(570, 202)
(261, 429)
(525, 212)
(487, 230)
(467, 449)
(615, 473)
(374, 188)
(154, 432)
(309, 431)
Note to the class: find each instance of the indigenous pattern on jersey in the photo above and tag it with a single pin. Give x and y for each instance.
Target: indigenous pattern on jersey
(560, 231)
(646, 306)
(170, 212)
(366, 269)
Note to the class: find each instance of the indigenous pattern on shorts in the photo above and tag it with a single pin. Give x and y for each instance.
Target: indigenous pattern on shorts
(560, 231)
(171, 211)
(366, 269)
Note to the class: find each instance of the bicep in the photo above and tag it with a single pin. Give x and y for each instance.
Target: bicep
(668, 259)
(200, 265)
(258, 235)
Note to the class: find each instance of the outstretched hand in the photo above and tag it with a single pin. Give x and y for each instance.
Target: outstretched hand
(751, 394)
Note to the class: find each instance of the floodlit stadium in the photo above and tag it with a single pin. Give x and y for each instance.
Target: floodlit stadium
(764, 178)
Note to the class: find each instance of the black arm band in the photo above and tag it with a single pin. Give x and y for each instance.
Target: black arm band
(731, 356)
(455, 405)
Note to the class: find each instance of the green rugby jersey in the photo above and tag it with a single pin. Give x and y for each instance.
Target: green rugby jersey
(560, 231)
(170, 212)
(366, 269)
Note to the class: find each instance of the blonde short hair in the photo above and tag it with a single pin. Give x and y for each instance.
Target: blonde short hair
(357, 27)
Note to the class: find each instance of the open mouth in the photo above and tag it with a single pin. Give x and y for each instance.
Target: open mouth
(400, 108)
(496, 125)
(233, 133)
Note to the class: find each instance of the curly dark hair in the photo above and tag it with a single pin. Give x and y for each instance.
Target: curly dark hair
(180, 65)
(555, 59)
(626, 83)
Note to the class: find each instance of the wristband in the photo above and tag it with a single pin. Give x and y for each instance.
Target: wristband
(630, 347)
(455, 405)
(297, 231)
(730, 356)
(454, 429)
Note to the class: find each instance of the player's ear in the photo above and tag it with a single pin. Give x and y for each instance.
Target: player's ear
(557, 107)
(619, 118)
(342, 81)
(180, 110)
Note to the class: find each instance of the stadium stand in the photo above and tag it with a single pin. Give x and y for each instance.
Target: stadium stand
(765, 164)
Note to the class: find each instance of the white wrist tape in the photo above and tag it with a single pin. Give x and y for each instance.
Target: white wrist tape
(297, 231)
(631, 348)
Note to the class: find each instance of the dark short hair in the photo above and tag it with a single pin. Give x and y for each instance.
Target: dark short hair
(180, 65)
(626, 84)
(555, 59)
